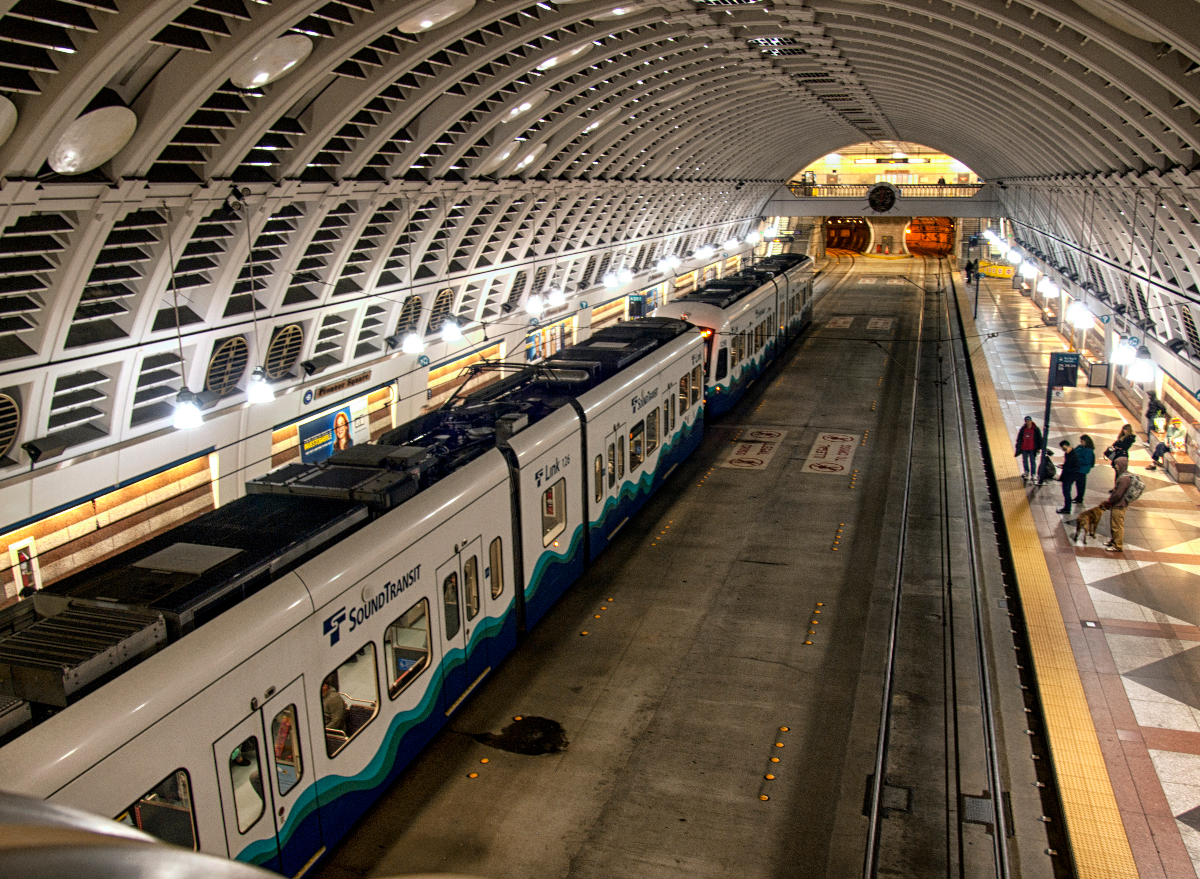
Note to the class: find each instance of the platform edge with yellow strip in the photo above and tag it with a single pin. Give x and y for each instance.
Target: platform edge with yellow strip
(1099, 845)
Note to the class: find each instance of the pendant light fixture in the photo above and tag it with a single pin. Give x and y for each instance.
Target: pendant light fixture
(1141, 371)
(187, 408)
(258, 389)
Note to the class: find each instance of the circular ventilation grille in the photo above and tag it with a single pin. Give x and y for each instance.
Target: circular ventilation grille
(284, 350)
(10, 423)
(227, 366)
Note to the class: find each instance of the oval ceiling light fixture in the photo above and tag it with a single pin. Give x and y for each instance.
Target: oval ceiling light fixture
(565, 56)
(529, 157)
(523, 106)
(599, 120)
(1116, 15)
(496, 160)
(8, 118)
(432, 15)
(623, 11)
(274, 60)
(92, 139)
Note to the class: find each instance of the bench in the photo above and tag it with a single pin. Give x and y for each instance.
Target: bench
(1180, 466)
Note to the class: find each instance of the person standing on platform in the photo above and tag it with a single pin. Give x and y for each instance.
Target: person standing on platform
(1154, 411)
(1029, 443)
(1121, 445)
(1117, 503)
(1085, 458)
(1070, 472)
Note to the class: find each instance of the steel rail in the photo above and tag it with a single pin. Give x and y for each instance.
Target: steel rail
(871, 850)
(983, 665)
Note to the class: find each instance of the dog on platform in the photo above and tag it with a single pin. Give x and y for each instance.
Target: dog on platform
(1087, 522)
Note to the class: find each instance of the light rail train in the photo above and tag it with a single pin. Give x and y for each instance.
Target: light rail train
(249, 682)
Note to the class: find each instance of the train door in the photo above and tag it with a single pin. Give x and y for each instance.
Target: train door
(260, 765)
(463, 597)
(614, 464)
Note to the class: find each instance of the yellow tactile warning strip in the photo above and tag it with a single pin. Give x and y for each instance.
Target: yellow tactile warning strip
(1099, 846)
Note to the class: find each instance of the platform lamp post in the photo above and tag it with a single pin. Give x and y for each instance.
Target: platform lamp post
(1064, 373)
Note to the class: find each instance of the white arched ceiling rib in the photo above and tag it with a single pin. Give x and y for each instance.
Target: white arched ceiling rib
(410, 111)
(1031, 90)
(1012, 122)
(1116, 56)
(617, 94)
(185, 83)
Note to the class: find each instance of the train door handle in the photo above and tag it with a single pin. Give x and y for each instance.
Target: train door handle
(281, 811)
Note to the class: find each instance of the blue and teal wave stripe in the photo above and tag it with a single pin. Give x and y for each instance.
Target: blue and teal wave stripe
(326, 810)
(633, 494)
(553, 572)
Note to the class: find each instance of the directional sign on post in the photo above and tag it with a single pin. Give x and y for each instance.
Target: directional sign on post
(1064, 369)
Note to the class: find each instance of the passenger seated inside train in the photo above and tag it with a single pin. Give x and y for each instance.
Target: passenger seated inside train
(349, 698)
(334, 707)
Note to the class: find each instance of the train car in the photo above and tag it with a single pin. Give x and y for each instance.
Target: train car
(748, 318)
(249, 682)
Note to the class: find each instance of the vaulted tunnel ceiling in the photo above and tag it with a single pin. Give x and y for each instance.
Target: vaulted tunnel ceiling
(489, 147)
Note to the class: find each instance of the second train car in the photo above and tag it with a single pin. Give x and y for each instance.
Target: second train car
(748, 318)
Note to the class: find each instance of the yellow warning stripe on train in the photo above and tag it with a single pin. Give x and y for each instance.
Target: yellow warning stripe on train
(1099, 845)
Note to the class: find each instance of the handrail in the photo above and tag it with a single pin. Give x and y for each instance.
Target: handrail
(801, 189)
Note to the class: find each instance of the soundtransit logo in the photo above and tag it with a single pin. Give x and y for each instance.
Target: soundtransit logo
(332, 625)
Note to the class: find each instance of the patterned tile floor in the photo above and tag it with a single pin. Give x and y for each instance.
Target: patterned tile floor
(1140, 661)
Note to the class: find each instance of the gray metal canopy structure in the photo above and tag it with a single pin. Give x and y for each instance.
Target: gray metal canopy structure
(292, 182)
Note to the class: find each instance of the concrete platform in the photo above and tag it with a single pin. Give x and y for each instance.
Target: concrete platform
(1129, 622)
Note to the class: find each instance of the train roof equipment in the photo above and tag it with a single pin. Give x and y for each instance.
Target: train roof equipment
(724, 292)
(75, 634)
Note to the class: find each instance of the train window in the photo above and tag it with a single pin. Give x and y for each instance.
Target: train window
(722, 363)
(598, 478)
(285, 739)
(636, 446)
(554, 511)
(697, 382)
(683, 393)
(620, 457)
(668, 414)
(406, 647)
(739, 348)
(350, 698)
(651, 431)
(165, 811)
(450, 601)
(245, 775)
(471, 587)
(612, 465)
(496, 566)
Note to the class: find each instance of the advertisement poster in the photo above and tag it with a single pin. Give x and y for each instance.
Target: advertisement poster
(26, 572)
(333, 430)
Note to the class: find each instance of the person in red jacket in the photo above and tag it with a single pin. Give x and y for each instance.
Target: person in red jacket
(1029, 443)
